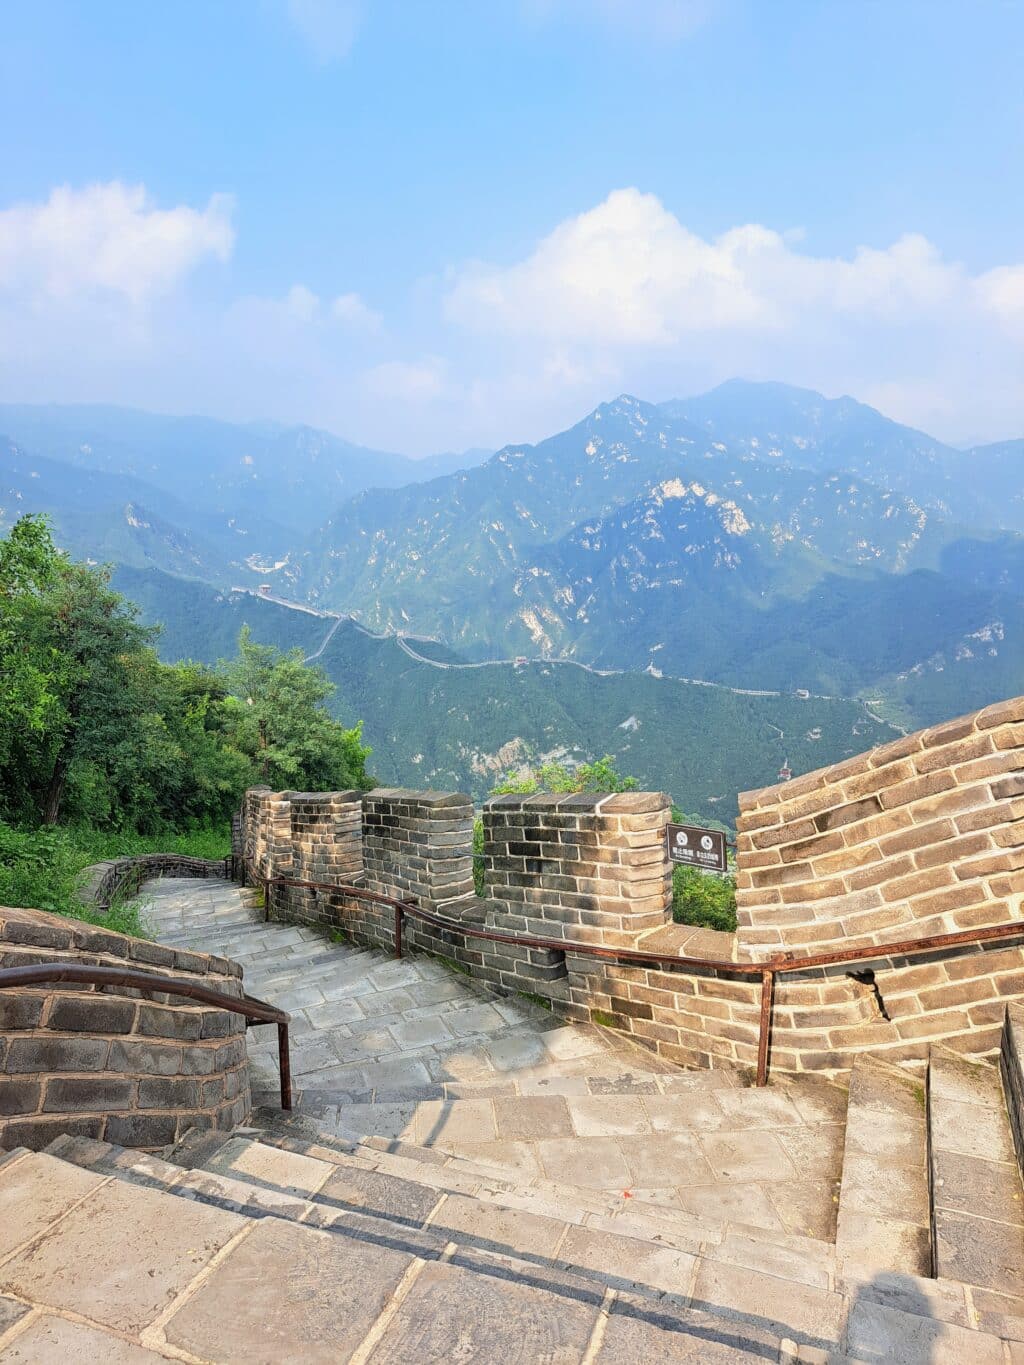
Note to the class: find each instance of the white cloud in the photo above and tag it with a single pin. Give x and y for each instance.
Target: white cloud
(1001, 292)
(351, 310)
(300, 309)
(110, 239)
(628, 273)
(328, 27)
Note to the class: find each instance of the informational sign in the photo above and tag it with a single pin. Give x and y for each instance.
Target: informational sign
(696, 847)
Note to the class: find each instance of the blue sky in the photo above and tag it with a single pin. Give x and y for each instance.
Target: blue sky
(430, 225)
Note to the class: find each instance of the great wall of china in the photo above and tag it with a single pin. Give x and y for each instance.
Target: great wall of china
(535, 1136)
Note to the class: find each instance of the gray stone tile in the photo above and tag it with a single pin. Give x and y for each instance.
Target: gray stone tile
(783, 1306)
(302, 1294)
(452, 1313)
(532, 1118)
(980, 1251)
(607, 1116)
(120, 1244)
(644, 1340)
(657, 1160)
(878, 1333)
(54, 1341)
(591, 1163)
(754, 1154)
(503, 1229)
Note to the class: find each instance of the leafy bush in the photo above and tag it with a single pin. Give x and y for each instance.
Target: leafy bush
(42, 869)
(704, 899)
(599, 776)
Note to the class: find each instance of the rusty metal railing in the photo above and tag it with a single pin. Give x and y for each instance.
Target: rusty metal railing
(255, 1011)
(768, 969)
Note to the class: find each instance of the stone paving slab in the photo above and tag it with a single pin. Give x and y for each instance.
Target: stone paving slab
(976, 1183)
(300, 1293)
(451, 1314)
(122, 1243)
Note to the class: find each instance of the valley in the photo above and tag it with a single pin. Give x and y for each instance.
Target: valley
(757, 556)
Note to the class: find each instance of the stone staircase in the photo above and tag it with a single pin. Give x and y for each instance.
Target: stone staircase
(462, 1179)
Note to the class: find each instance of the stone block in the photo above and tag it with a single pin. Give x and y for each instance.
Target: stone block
(43, 1054)
(91, 1014)
(91, 1094)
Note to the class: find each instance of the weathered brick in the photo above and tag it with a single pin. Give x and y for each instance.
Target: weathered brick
(91, 1014)
(917, 884)
(147, 1058)
(156, 1021)
(45, 1054)
(143, 1130)
(850, 814)
(20, 1010)
(92, 1094)
(917, 788)
(19, 1096)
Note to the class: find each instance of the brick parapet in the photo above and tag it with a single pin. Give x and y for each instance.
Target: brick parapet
(138, 1068)
(918, 837)
(418, 845)
(590, 867)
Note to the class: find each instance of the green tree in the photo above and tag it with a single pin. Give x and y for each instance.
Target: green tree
(599, 776)
(281, 723)
(68, 643)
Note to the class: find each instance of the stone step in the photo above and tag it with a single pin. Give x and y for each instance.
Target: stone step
(221, 1280)
(214, 1284)
(977, 1198)
(615, 1211)
(708, 1152)
(651, 1282)
(883, 1221)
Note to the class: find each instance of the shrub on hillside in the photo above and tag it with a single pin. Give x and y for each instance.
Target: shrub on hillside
(704, 899)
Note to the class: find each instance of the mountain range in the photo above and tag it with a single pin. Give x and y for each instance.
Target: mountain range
(758, 537)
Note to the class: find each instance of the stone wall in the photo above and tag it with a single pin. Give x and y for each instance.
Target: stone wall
(919, 837)
(135, 1068)
(122, 877)
(589, 867)
(418, 846)
(922, 836)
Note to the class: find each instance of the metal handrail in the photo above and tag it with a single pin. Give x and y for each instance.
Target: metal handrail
(255, 1010)
(780, 964)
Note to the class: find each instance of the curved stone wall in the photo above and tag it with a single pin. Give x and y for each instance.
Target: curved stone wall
(104, 882)
(136, 1068)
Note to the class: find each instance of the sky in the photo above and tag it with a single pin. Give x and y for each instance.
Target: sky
(431, 224)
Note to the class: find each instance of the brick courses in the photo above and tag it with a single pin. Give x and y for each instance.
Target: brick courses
(112, 1062)
(917, 837)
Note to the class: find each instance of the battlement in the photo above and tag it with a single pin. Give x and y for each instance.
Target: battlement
(919, 837)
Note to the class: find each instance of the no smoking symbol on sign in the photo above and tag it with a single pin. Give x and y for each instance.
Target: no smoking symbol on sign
(696, 847)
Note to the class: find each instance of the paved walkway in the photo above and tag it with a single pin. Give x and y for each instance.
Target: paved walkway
(414, 1052)
(368, 1026)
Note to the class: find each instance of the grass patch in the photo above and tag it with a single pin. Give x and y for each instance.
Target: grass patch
(42, 869)
(452, 965)
(604, 1019)
(337, 935)
(540, 1000)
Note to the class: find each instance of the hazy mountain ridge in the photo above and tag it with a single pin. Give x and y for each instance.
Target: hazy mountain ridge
(758, 536)
(433, 725)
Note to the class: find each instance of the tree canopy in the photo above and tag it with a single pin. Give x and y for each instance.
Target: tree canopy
(95, 728)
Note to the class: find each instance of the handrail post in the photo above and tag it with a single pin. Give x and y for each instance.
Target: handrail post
(767, 993)
(284, 1065)
(398, 930)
